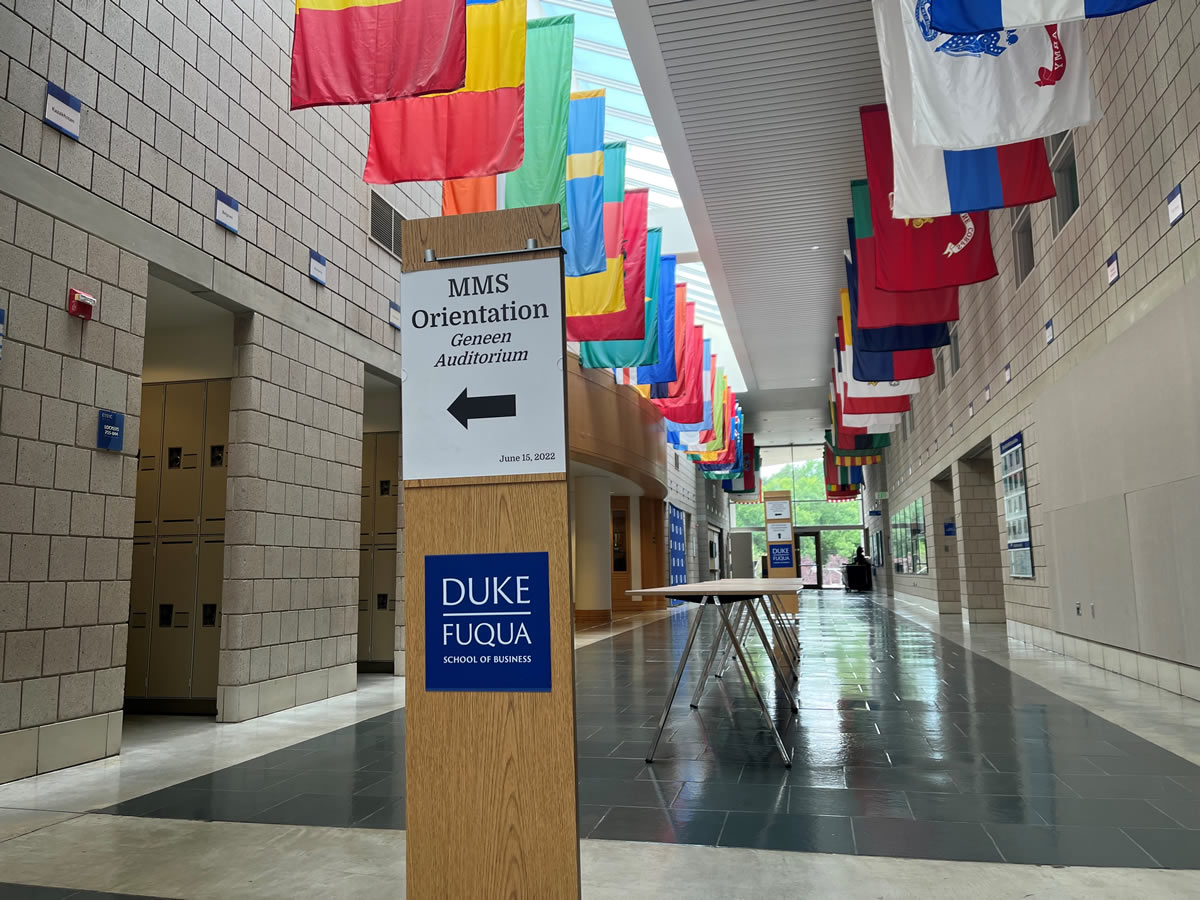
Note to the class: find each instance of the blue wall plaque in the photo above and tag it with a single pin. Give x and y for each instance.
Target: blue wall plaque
(110, 430)
(487, 622)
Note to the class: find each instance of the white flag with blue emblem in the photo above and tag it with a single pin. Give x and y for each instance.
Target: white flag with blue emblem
(996, 87)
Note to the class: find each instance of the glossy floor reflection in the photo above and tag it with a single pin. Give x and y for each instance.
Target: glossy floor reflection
(906, 745)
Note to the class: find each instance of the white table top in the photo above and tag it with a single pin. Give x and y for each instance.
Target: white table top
(739, 587)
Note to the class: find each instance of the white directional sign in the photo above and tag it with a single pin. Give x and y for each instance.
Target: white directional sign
(482, 351)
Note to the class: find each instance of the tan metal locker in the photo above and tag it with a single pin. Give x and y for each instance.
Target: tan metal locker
(141, 597)
(173, 617)
(145, 504)
(367, 511)
(214, 458)
(383, 605)
(183, 437)
(364, 603)
(387, 464)
(207, 626)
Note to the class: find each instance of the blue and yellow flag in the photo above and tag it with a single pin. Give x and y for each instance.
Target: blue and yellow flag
(584, 239)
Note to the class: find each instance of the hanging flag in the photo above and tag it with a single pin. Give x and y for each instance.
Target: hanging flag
(919, 254)
(856, 428)
(476, 130)
(683, 399)
(931, 182)
(882, 366)
(687, 435)
(542, 176)
(364, 51)
(630, 322)
(864, 403)
(626, 354)
(898, 337)
(664, 369)
(601, 292)
(845, 349)
(684, 318)
(883, 421)
(884, 309)
(583, 241)
(998, 87)
(974, 16)
(468, 195)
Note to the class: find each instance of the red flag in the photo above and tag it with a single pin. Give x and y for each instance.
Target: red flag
(919, 254)
(687, 405)
(628, 324)
(885, 309)
(356, 52)
(476, 130)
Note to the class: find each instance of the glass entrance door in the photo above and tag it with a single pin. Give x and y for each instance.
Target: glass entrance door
(808, 556)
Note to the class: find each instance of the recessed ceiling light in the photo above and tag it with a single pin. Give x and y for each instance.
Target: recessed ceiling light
(816, 246)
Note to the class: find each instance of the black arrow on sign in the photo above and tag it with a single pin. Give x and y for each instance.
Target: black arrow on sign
(498, 406)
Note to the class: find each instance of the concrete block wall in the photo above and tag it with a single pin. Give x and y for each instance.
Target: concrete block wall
(180, 98)
(981, 587)
(1145, 69)
(66, 508)
(290, 604)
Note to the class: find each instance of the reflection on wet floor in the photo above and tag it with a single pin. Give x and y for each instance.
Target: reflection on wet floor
(905, 745)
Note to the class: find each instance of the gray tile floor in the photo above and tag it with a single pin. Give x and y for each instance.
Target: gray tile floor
(906, 745)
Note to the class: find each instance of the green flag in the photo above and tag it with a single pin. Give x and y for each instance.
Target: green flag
(627, 354)
(542, 177)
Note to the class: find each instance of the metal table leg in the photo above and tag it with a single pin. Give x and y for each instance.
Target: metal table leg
(782, 646)
(783, 682)
(781, 616)
(712, 655)
(687, 651)
(742, 625)
(782, 635)
(737, 648)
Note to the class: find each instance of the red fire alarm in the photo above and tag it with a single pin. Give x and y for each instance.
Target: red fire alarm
(81, 305)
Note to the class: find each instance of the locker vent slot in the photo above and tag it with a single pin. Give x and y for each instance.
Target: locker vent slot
(381, 601)
(190, 460)
(166, 612)
(385, 488)
(216, 456)
(183, 620)
(147, 463)
(174, 457)
(208, 615)
(362, 605)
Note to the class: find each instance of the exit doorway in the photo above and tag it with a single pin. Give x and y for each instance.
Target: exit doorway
(821, 554)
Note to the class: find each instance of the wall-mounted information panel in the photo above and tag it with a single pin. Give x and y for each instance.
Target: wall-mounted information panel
(1016, 507)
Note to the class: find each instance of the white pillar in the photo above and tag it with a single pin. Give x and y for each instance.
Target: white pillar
(593, 544)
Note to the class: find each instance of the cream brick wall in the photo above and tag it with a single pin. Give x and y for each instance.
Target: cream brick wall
(181, 98)
(1146, 73)
(66, 508)
(290, 603)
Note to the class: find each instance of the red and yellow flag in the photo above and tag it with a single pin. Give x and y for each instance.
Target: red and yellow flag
(478, 130)
(365, 51)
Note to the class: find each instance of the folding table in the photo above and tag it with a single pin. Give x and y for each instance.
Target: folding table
(753, 595)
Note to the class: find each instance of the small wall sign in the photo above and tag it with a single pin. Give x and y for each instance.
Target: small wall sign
(110, 430)
(1175, 205)
(227, 212)
(316, 267)
(64, 112)
(1114, 269)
